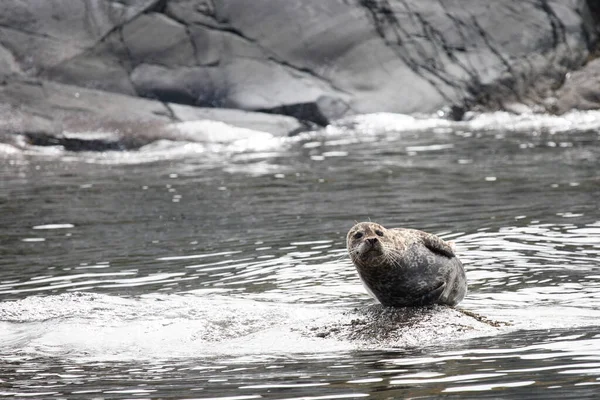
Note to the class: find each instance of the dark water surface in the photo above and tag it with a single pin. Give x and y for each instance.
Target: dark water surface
(187, 270)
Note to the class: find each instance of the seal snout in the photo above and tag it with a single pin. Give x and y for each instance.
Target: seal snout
(372, 241)
(369, 247)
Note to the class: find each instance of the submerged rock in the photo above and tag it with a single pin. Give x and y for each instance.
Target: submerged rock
(381, 326)
(156, 326)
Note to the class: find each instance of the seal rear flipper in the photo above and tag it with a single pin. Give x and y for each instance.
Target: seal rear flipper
(431, 295)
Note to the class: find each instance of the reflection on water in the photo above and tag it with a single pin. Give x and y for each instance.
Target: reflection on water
(203, 262)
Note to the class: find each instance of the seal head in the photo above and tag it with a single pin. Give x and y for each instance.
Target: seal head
(406, 267)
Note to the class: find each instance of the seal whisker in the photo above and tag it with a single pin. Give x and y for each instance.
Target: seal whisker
(338, 259)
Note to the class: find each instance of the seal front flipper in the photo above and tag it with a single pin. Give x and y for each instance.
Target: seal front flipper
(431, 296)
(437, 245)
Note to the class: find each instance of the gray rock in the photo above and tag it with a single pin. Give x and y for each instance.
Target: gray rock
(158, 39)
(209, 44)
(58, 101)
(198, 86)
(314, 60)
(94, 71)
(388, 327)
(249, 84)
(78, 118)
(409, 56)
(43, 111)
(8, 64)
(41, 34)
(279, 125)
(218, 326)
(581, 90)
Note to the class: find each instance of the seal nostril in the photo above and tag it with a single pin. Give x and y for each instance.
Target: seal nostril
(372, 240)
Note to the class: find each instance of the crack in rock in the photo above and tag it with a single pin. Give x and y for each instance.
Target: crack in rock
(384, 18)
(104, 37)
(271, 56)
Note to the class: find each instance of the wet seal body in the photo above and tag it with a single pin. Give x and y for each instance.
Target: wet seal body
(406, 267)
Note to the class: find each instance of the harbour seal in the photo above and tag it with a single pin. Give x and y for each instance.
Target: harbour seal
(406, 267)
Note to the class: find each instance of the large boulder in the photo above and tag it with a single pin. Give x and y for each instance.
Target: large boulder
(316, 60)
(49, 113)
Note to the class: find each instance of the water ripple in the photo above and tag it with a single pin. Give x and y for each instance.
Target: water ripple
(195, 256)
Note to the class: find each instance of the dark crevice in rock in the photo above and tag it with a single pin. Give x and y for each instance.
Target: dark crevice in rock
(159, 7)
(395, 23)
(130, 63)
(437, 37)
(558, 29)
(77, 144)
(384, 19)
(222, 27)
(594, 7)
(194, 46)
(271, 56)
(195, 51)
(506, 82)
(213, 93)
(592, 12)
(304, 112)
(425, 65)
(170, 113)
(469, 68)
(128, 70)
(27, 32)
(227, 29)
(307, 71)
(588, 37)
(455, 112)
(488, 42)
(558, 36)
(165, 95)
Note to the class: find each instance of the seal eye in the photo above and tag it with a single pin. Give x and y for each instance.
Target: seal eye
(358, 235)
(378, 232)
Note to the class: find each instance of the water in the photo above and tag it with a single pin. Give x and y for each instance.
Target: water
(203, 269)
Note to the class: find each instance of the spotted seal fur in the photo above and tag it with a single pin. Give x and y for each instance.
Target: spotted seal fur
(406, 267)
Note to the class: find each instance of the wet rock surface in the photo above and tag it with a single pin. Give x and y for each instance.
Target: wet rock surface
(48, 113)
(580, 91)
(405, 326)
(315, 61)
(235, 325)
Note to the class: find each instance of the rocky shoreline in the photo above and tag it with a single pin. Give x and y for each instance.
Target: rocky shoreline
(131, 68)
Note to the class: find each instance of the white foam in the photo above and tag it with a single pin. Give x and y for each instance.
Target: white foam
(177, 326)
(217, 140)
(382, 122)
(54, 226)
(8, 149)
(215, 132)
